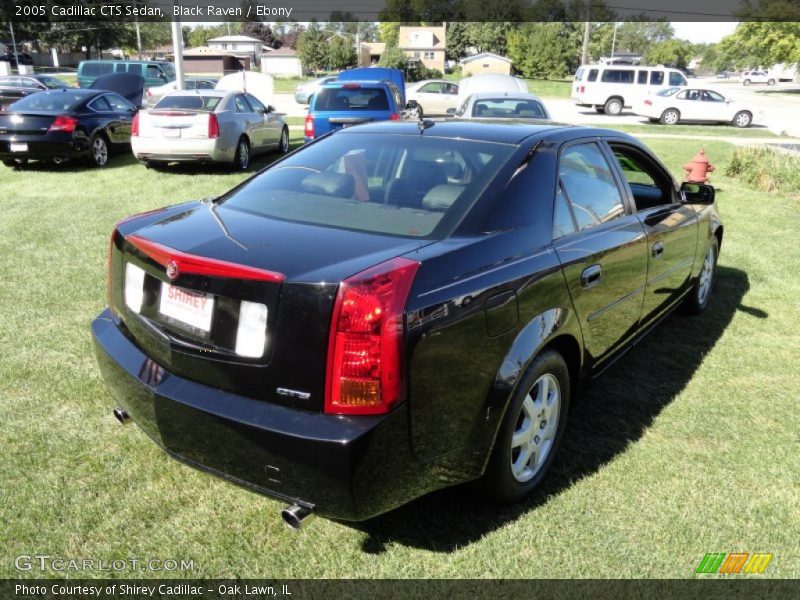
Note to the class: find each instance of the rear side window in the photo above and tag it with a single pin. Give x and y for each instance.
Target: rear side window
(242, 106)
(93, 68)
(202, 103)
(357, 98)
(592, 75)
(562, 219)
(589, 185)
(100, 104)
(617, 76)
(657, 78)
(642, 78)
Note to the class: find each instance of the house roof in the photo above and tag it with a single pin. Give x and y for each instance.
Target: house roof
(374, 47)
(235, 38)
(484, 56)
(280, 52)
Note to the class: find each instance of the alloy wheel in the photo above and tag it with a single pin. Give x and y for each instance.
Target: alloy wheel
(99, 151)
(706, 277)
(535, 431)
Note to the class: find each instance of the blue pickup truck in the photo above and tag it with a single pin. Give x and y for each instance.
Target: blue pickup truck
(357, 96)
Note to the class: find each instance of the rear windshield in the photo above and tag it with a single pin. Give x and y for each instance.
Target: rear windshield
(201, 103)
(53, 101)
(346, 98)
(53, 82)
(508, 108)
(403, 185)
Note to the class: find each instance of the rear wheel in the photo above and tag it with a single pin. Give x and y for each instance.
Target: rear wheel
(670, 117)
(771, 82)
(242, 158)
(531, 431)
(746, 82)
(15, 163)
(742, 119)
(699, 297)
(283, 144)
(613, 106)
(98, 155)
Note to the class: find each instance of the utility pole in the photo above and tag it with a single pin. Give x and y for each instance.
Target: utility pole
(138, 40)
(177, 50)
(14, 44)
(587, 30)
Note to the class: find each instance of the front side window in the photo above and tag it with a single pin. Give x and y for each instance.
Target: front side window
(589, 185)
(241, 105)
(386, 184)
(431, 88)
(676, 79)
(650, 186)
(153, 72)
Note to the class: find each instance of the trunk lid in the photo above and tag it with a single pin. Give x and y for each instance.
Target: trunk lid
(177, 123)
(28, 123)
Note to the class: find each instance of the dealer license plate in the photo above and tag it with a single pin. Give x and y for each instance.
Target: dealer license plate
(18, 147)
(171, 132)
(186, 309)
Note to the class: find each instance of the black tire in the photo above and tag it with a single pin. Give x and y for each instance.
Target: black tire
(241, 160)
(499, 482)
(98, 150)
(746, 82)
(770, 82)
(10, 163)
(671, 116)
(699, 297)
(613, 106)
(742, 119)
(15, 163)
(283, 143)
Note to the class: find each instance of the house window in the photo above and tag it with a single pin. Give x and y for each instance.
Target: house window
(429, 55)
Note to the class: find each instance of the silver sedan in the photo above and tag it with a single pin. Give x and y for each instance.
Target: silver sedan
(208, 126)
(503, 105)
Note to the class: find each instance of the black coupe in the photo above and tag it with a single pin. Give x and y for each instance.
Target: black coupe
(398, 307)
(63, 124)
(14, 87)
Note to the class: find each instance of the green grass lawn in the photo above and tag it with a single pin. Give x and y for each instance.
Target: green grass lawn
(689, 445)
(693, 130)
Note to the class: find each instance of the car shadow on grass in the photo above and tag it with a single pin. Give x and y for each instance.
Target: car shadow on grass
(611, 414)
(118, 158)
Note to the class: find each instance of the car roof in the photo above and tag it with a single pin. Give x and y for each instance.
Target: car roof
(507, 131)
(212, 93)
(512, 95)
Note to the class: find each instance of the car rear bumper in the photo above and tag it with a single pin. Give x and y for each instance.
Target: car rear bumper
(345, 467)
(39, 148)
(178, 149)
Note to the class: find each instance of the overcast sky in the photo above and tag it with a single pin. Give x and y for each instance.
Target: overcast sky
(698, 33)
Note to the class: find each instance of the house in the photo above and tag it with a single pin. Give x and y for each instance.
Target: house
(485, 62)
(369, 53)
(210, 61)
(242, 46)
(424, 46)
(282, 62)
(159, 53)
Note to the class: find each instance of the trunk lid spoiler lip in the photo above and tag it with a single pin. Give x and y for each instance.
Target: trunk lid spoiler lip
(178, 262)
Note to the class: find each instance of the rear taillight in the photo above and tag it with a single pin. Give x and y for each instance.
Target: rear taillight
(648, 103)
(135, 125)
(63, 123)
(213, 126)
(365, 349)
(581, 89)
(309, 126)
(111, 306)
(394, 117)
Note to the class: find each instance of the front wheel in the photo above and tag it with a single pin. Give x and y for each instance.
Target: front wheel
(613, 106)
(742, 119)
(700, 295)
(283, 144)
(771, 82)
(670, 117)
(746, 82)
(531, 431)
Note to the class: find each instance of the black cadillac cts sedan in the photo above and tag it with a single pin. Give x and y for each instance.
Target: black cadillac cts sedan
(398, 307)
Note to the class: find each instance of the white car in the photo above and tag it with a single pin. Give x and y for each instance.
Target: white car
(749, 77)
(304, 91)
(154, 94)
(433, 96)
(207, 126)
(508, 105)
(681, 104)
(490, 82)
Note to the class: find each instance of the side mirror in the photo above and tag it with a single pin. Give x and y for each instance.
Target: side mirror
(270, 108)
(697, 193)
(451, 112)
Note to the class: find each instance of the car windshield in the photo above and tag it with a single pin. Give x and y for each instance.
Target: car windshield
(53, 82)
(198, 102)
(351, 97)
(508, 108)
(52, 101)
(403, 185)
(668, 92)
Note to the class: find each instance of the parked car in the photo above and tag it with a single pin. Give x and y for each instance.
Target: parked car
(60, 125)
(342, 103)
(749, 77)
(259, 85)
(611, 88)
(490, 82)
(433, 97)
(304, 91)
(24, 58)
(208, 126)
(394, 76)
(154, 94)
(14, 87)
(678, 105)
(154, 72)
(398, 307)
(511, 105)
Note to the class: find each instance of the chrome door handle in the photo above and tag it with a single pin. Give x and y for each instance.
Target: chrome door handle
(591, 276)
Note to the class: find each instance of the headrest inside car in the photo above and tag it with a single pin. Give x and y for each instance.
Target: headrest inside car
(441, 197)
(330, 184)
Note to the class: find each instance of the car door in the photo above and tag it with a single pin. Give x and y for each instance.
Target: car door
(671, 227)
(248, 122)
(270, 124)
(604, 254)
(429, 96)
(122, 119)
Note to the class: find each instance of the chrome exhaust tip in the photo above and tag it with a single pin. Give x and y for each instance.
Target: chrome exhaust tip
(295, 516)
(122, 415)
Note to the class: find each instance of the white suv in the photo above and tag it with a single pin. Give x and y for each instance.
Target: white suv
(749, 77)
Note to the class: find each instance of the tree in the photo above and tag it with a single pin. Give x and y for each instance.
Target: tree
(340, 53)
(545, 50)
(260, 31)
(389, 33)
(762, 44)
(638, 37)
(393, 57)
(312, 48)
(672, 53)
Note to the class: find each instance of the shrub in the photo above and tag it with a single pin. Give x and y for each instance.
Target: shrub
(766, 168)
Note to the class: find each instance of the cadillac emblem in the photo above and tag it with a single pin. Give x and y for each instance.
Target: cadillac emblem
(172, 270)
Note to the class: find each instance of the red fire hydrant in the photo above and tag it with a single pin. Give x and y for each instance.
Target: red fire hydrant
(698, 169)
